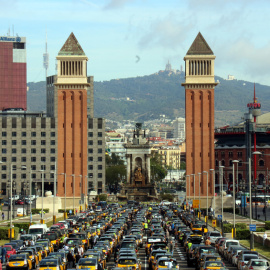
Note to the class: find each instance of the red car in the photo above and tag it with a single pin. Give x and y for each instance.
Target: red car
(19, 202)
(10, 250)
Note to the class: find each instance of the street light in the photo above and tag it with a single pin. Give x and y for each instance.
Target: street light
(206, 221)
(199, 194)
(193, 185)
(234, 161)
(188, 188)
(73, 187)
(214, 192)
(221, 188)
(65, 184)
(54, 192)
(42, 194)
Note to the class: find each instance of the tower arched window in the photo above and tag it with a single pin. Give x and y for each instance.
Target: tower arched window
(261, 163)
(223, 162)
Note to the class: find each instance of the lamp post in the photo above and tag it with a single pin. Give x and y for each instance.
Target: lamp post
(250, 204)
(221, 181)
(54, 192)
(65, 201)
(73, 186)
(188, 189)
(214, 192)
(234, 161)
(30, 195)
(11, 186)
(193, 186)
(206, 220)
(42, 194)
(86, 192)
(199, 194)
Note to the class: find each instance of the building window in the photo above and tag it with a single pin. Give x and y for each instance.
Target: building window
(99, 167)
(52, 134)
(43, 142)
(14, 142)
(13, 150)
(43, 159)
(223, 163)
(216, 154)
(52, 142)
(33, 142)
(230, 163)
(90, 150)
(240, 163)
(90, 142)
(99, 158)
(4, 159)
(99, 134)
(4, 176)
(33, 151)
(100, 150)
(222, 154)
(23, 151)
(4, 134)
(23, 175)
(90, 175)
(99, 123)
(230, 154)
(261, 163)
(33, 134)
(34, 176)
(33, 159)
(14, 134)
(99, 142)
(43, 134)
(43, 167)
(23, 134)
(90, 158)
(52, 151)
(14, 159)
(52, 159)
(52, 167)
(4, 168)
(43, 150)
(239, 154)
(23, 142)
(4, 142)
(216, 162)
(90, 134)
(23, 159)
(99, 175)
(90, 167)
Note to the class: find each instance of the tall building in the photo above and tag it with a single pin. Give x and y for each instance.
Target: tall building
(199, 102)
(179, 126)
(69, 140)
(13, 89)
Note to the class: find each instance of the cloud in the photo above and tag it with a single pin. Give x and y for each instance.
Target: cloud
(113, 4)
(168, 32)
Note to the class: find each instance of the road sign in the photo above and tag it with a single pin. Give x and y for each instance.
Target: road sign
(252, 227)
(196, 203)
(214, 223)
(219, 217)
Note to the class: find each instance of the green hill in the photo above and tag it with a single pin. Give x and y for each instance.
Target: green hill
(145, 98)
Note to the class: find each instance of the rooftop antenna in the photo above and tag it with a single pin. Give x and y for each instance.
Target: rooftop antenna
(46, 59)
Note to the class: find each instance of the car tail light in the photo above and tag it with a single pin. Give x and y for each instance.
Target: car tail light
(250, 267)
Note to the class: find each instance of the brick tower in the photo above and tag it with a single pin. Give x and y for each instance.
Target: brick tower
(199, 101)
(70, 103)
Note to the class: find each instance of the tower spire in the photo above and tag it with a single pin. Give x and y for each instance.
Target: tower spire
(46, 59)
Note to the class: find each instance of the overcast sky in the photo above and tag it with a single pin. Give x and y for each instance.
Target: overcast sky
(114, 32)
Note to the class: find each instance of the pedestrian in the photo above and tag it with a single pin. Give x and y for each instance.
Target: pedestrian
(100, 267)
(170, 264)
(80, 250)
(3, 216)
(264, 237)
(264, 210)
(70, 212)
(171, 246)
(4, 253)
(71, 260)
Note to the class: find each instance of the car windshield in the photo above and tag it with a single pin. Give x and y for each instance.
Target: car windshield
(44, 244)
(16, 258)
(26, 237)
(215, 234)
(50, 236)
(232, 243)
(247, 258)
(259, 263)
(88, 261)
(8, 248)
(214, 264)
(52, 263)
(166, 263)
(127, 245)
(126, 261)
(73, 241)
(208, 250)
(35, 231)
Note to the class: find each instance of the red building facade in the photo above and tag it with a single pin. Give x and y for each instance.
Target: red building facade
(13, 88)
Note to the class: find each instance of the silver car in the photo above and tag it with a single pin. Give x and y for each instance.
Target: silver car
(257, 264)
(212, 236)
(244, 259)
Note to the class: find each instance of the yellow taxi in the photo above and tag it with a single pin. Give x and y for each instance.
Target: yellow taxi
(31, 254)
(53, 237)
(164, 263)
(215, 265)
(128, 262)
(96, 254)
(41, 250)
(52, 264)
(88, 263)
(19, 261)
(46, 243)
(209, 258)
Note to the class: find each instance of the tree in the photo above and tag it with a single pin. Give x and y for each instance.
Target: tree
(115, 169)
(157, 169)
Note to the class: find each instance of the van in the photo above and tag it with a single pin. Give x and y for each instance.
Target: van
(38, 229)
(21, 212)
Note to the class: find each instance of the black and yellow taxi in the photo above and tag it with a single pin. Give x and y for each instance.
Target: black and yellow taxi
(62, 256)
(128, 261)
(40, 249)
(158, 256)
(88, 263)
(83, 236)
(46, 243)
(164, 262)
(213, 265)
(62, 264)
(52, 264)
(150, 242)
(90, 253)
(53, 237)
(36, 252)
(19, 261)
(32, 256)
(152, 256)
(209, 258)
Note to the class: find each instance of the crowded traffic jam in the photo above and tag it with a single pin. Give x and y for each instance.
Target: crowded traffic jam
(134, 236)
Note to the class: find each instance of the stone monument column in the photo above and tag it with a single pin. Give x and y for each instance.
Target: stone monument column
(148, 173)
(128, 156)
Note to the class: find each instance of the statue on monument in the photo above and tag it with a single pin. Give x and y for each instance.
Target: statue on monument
(139, 177)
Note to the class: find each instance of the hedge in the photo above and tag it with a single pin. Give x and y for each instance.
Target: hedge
(23, 225)
(4, 232)
(242, 234)
(101, 197)
(63, 210)
(37, 210)
(267, 225)
(260, 229)
(166, 196)
(227, 227)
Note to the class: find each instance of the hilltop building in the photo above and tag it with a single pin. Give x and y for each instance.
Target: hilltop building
(13, 89)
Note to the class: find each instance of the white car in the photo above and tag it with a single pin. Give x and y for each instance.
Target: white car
(257, 264)
(244, 259)
(226, 244)
(212, 236)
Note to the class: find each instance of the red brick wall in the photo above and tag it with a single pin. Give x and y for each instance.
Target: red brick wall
(200, 139)
(72, 139)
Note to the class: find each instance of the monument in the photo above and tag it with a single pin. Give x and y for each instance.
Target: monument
(139, 186)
